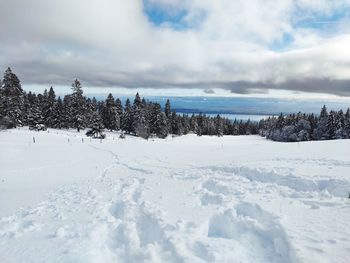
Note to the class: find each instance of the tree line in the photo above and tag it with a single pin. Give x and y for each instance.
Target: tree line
(140, 118)
(306, 127)
(144, 118)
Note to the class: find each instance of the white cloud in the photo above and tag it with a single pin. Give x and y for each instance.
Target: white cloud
(114, 43)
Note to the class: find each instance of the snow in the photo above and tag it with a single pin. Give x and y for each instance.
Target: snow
(184, 199)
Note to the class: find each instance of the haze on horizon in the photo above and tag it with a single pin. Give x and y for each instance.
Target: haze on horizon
(241, 47)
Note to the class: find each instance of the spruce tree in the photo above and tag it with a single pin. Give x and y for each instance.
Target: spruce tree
(57, 115)
(167, 110)
(96, 128)
(158, 123)
(109, 114)
(35, 117)
(48, 107)
(119, 110)
(139, 118)
(12, 98)
(78, 105)
(347, 123)
(127, 118)
(320, 132)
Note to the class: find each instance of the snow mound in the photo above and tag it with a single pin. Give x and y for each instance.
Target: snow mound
(248, 224)
(335, 187)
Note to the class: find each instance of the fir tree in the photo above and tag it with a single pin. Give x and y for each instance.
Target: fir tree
(78, 106)
(57, 117)
(35, 117)
(48, 107)
(139, 118)
(96, 128)
(158, 123)
(127, 118)
(12, 98)
(320, 132)
(347, 123)
(109, 114)
(167, 110)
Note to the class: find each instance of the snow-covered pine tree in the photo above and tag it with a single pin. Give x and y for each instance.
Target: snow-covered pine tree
(158, 124)
(137, 100)
(119, 110)
(331, 125)
(179, 129)
(35, 117)
(109, 114)
(347, 122)
(320, 132)
(92, 106)
(57, 118)
(47, 107)
(67, 111)
(185, 123)
(96, 128)
(26, 107)
(119, 107)
(168, 115)
(12, 98)
(303, 129)
(78, 105)
(219, 126)
(174, 126)
(127, 118)
(139, 117)
(167, 109)
(340, 130)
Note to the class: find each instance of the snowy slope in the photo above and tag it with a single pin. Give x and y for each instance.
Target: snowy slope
(186, 199)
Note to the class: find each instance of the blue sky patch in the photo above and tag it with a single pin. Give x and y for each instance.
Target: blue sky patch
(283, 43)
(161, 15)
(325, 23)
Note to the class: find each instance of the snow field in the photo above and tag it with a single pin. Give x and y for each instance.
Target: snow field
(186, 199)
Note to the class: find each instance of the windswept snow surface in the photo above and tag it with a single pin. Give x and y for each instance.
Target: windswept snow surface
(66, 198)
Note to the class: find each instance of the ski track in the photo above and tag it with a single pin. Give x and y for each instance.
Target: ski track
(111, 221)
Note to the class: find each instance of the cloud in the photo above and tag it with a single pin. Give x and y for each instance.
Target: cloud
(242, 46)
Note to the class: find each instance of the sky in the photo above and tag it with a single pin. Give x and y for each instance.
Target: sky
(222, 47)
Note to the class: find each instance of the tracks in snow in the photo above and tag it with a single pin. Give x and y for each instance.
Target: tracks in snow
(110, 219)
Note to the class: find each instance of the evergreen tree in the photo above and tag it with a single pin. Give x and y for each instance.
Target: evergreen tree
(35, 118)
(168, 115)
(119, 110)
(119, 107)
(340, 130)
(347, 123)
(320, 132)
(78, 106)
(167, 110)
(137, 100)
(158, 123)
(140, 125)
(48, 107)
(127, 118)
(12, 98)
(67, 110)
(331, 126)
(57, 118)
(96, 128)
(109, 114)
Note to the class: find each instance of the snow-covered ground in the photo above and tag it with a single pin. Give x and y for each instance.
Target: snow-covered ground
(66, 198)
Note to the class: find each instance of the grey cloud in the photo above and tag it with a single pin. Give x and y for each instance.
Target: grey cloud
(328, 86)
(112, 43)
